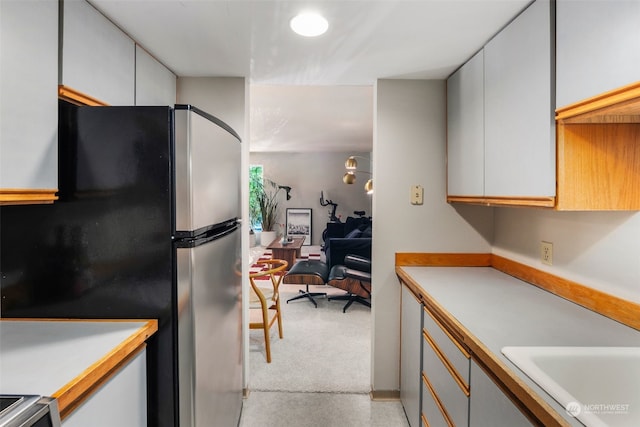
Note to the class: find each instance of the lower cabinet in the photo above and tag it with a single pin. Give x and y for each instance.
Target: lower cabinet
(489, 405)
(456, 392)
(445, 374)
(120, 401)
(410, 382)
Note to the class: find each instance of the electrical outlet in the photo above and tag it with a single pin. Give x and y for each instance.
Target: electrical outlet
(417, 194)
(546, 253)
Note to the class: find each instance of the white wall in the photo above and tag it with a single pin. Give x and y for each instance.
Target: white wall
(597, 249)
(223, 97)
(308, 174)
(410, 148)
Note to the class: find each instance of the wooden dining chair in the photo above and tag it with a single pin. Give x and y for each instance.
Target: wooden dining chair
(264, 301)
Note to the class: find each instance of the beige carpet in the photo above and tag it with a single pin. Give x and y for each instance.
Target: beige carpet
(323, 349)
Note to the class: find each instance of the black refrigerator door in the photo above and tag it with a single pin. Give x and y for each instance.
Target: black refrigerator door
(104, 250)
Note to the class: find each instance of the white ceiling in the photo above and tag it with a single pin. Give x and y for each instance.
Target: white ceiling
(312, 94)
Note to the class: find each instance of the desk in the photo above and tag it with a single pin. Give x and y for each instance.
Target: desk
(289, 252)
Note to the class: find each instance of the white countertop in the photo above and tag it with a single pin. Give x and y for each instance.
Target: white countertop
(43, 356)
(500, 310)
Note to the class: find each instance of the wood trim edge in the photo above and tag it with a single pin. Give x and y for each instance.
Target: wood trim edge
(602, 101)
(443, 259)
(608, 305)
(540, 202)
(78, 98)
(26, 196)
(71, 395)
(71, 406)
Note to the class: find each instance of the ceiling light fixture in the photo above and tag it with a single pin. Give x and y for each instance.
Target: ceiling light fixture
(309, 24)
(350, 176)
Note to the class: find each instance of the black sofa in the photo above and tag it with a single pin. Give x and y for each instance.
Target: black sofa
(356, 242)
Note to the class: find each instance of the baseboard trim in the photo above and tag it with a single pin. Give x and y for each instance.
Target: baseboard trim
(384, 395)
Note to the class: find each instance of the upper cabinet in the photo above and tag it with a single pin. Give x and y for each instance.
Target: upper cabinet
(501, 146)
(465, 129)
(97, 58)
(155, 84)
(29, 107)
(598, 105)
(518, 108)
(598, 48)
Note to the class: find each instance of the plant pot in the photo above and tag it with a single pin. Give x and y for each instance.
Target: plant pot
(266, 237)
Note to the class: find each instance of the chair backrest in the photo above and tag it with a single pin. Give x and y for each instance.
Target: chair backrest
(275, 266)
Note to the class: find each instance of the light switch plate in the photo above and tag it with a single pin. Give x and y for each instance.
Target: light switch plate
(417, 193)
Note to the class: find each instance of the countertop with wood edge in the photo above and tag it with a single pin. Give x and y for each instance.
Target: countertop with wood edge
(488, 302)
(67, 358)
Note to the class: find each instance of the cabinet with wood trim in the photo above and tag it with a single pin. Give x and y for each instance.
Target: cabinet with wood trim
(410, 351)
(598, 48)
(455, 390)
(29, 107)
(97, 58)
(465, 129)
(445, 374)
(126, 390)
(518, 130)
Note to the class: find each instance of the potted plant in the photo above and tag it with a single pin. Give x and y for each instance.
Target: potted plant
(264, 207)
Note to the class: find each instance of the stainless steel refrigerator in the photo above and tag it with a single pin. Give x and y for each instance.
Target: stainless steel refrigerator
(147, 226)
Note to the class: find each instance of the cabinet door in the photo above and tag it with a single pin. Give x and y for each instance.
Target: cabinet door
(465, 129)
(410, 356)
(489, 406)
(598, 47)
(121, 401)
(97, 58)
(519, 113)
(155, 84)
(29, 107)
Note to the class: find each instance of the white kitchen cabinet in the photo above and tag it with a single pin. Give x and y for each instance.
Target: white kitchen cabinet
(445, 371)
(598, 47)
(155, 83)
(29, 102)
(489, 406)
(121, 401)
(410, 356)
(500, 117)
(97, 58)
(518, 106)
(465, 129)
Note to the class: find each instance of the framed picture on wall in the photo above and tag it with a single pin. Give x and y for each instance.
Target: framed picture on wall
(299, 224)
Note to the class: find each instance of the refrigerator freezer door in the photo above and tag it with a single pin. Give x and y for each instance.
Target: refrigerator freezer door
(207, 159)
(209, 332)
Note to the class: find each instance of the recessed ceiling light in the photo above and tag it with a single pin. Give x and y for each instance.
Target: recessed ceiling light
(309, 24)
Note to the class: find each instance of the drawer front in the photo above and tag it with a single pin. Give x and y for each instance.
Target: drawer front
(452, 393)
(431, 412)
(454, 353)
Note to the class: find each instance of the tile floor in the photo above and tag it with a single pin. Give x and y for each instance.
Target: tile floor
(280, 409)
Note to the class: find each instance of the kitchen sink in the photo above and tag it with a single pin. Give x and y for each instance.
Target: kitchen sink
(600, 386)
